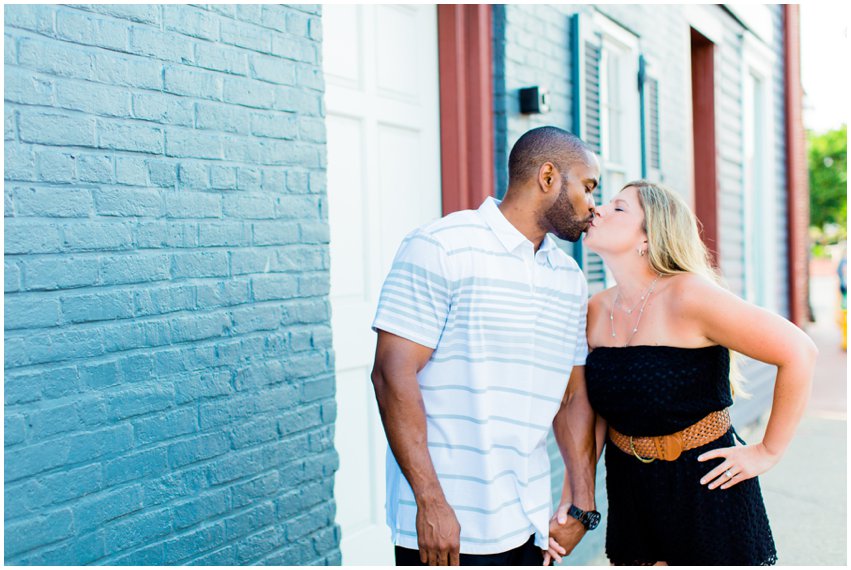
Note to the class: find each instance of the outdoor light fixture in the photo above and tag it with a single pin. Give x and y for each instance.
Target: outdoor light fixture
(534, 100)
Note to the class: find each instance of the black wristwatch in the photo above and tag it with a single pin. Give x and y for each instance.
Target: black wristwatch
(589, 519)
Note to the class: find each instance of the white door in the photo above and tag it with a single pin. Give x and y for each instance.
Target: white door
(381, 76)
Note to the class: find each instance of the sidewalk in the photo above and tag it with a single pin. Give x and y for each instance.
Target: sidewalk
(806, 493)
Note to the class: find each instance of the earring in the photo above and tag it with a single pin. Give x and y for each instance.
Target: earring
(641, 252)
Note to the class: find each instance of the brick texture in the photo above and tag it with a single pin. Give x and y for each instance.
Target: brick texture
(167, 335)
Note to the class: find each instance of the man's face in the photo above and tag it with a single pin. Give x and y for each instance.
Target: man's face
(573, 209)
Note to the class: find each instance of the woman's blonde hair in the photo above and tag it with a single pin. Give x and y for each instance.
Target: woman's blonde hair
(674, 245)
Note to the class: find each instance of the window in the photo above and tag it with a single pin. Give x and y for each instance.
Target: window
(606, 113)
(759, 194)
(619, 107)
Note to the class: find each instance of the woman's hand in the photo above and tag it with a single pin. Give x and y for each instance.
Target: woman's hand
(554, 553)
(565, 534)
(740, 463)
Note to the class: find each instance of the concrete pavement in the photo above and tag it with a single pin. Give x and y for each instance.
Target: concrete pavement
(806, 493)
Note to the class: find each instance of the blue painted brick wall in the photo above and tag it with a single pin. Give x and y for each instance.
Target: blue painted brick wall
(169, 377)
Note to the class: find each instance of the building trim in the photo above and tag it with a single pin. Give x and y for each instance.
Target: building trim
(798, 208)
(760, 204)
(704, 19)
(705, 150)
(466, 105)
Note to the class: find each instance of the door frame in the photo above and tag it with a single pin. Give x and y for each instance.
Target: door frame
(465, 60)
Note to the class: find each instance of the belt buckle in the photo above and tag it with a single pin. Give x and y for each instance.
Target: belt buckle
(671, 446)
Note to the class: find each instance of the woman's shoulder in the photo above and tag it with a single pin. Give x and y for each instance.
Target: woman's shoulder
(599, 306)
(690, 290)
(602, 299)
(694, 280)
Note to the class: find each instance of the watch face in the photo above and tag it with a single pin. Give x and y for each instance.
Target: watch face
(593, 519)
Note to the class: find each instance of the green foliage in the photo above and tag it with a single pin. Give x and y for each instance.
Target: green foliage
(828, 167)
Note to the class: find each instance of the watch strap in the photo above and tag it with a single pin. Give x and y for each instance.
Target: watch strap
(588, 519)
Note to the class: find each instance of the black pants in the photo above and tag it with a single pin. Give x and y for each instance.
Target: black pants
(525, 555)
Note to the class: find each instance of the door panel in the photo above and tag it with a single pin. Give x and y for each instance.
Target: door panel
(383, 181)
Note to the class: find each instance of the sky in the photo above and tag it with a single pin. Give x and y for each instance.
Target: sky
(825, 69)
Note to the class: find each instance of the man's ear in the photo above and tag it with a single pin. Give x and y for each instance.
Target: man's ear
(546, 176)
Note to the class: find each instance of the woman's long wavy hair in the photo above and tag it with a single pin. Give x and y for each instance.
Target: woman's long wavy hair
(674, 246)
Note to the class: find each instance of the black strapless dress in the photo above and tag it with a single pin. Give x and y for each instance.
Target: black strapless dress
(659, 511)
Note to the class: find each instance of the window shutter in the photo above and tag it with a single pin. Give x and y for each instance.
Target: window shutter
(592, 95)
(651, 162)
(586, 52)
(653, 108)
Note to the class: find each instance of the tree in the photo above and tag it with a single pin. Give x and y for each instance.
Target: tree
(828, 167)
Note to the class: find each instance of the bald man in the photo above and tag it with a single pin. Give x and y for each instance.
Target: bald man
(481, 352)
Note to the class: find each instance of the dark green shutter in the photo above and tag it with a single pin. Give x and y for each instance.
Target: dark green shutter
(648, 88)
(586, 52)
(593, 264)
(653, 121)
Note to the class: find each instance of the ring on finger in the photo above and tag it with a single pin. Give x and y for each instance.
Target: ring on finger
(729, 474)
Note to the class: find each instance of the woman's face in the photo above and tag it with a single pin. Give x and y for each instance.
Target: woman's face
(617, 226)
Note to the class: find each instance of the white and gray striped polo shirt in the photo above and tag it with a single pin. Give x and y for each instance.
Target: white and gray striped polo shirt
(507, 325)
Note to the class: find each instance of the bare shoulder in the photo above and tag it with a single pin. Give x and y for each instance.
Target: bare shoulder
(689, 287)
(601, 300)
(708, 309)
(598, 315)
(690, 291)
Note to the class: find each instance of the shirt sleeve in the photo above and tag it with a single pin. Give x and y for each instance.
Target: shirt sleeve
(581, 352)
(415, 297)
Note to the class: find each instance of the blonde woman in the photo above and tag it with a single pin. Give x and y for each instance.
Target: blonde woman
(681, 489)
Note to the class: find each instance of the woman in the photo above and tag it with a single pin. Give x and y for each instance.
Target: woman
(680, 489)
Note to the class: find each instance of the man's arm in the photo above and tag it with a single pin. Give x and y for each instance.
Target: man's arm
(394, 377)
(575, 434)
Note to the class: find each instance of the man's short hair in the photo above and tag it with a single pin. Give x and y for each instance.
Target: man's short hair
(544, 144)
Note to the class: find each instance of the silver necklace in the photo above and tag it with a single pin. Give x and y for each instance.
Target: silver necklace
(645, 298)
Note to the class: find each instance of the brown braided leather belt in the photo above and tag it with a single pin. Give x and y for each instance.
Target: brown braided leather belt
(669, 447)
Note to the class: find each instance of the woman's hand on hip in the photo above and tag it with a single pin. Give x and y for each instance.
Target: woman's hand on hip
(740, 463)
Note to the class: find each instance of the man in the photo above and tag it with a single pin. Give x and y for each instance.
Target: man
(481, 322)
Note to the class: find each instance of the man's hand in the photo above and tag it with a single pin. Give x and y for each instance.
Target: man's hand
(438, 533)
(574, 430)
(565, 534)
(397, 362)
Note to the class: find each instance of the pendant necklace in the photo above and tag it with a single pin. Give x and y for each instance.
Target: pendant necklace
(644, 298)
(640, 299)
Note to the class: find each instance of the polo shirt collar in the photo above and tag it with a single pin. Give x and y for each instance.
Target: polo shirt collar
(549, 247)
(508, 235)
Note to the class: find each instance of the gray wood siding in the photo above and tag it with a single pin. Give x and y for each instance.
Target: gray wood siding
(730, 149)
(782, 180)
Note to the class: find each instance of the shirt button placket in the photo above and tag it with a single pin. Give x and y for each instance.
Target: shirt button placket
(529, 261)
